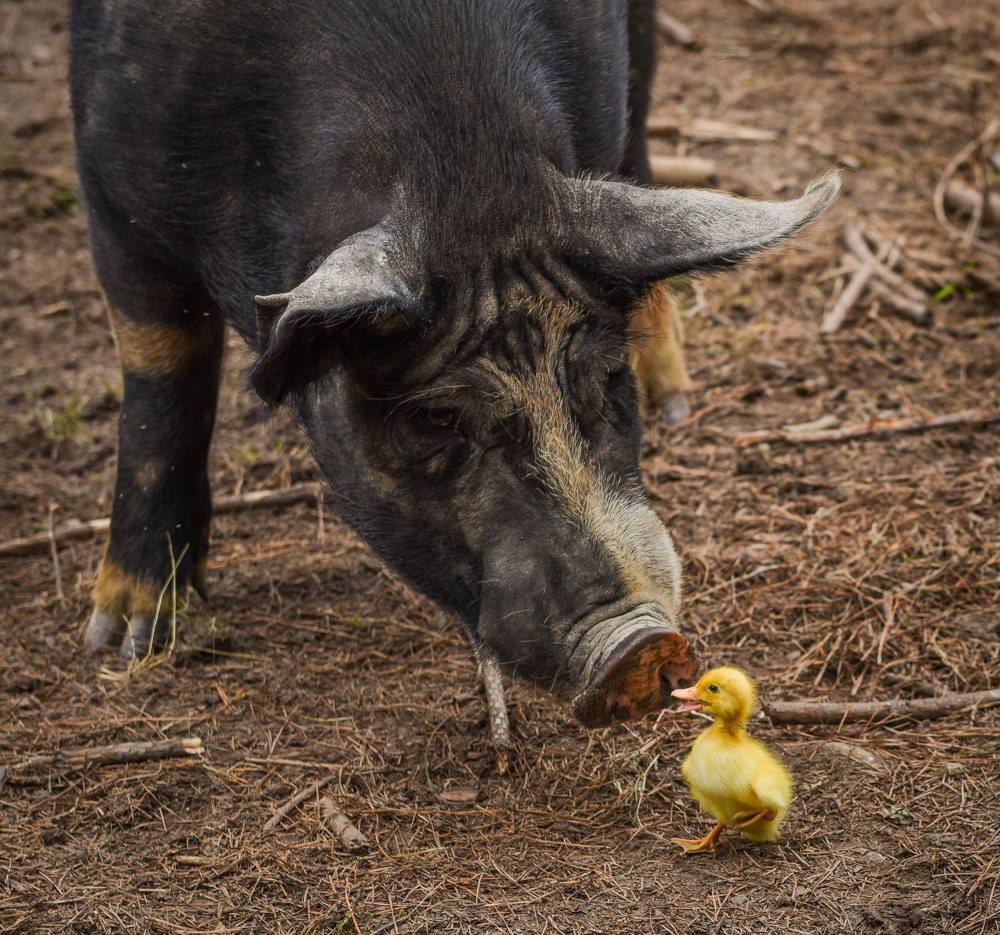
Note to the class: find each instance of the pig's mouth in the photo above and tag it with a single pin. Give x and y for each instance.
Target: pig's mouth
(627, 663)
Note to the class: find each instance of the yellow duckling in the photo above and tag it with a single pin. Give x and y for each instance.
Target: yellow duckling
(732, 776)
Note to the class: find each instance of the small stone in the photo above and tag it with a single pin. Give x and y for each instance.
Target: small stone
(858, 754)
(897, 814)
(459, 795)
(53, 836)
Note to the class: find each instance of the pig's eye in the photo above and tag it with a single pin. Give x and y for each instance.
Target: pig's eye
(430, 436)
(441, 418)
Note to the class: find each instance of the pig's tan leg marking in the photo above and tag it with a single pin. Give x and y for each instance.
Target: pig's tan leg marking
(658, 354)
(153, 349)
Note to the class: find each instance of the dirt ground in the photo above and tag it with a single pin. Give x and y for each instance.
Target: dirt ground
(858, 570)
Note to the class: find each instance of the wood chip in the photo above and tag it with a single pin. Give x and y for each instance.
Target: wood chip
(340, 825)
(674, 30)
(460, 795)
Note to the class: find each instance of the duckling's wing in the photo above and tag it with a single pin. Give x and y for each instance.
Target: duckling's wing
(772, 783)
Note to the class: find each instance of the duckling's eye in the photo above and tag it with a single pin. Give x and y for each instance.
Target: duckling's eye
(713, 688)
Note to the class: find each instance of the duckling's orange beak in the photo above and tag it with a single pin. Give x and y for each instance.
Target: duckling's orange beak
(687, 695)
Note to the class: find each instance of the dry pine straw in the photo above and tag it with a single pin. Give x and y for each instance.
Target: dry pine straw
(849, 571)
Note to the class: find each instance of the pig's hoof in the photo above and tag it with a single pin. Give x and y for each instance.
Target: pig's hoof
(677, 408)
(128, 613)
(104, 630)
(144, 635)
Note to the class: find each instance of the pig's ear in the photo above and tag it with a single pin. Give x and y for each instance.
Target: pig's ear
(296, 331)
(639, 235)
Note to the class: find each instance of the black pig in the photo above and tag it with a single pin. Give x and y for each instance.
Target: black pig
(420, 194)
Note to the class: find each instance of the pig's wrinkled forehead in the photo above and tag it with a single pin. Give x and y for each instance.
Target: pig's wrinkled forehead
(517, 343)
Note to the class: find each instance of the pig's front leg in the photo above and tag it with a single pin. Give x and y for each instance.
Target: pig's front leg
(491, 679)
(170, 349)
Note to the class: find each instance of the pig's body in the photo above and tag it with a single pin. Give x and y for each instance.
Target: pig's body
(240, 142)
(452, 299)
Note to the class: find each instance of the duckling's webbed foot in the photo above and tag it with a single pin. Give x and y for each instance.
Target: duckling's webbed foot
(496, 703)
(700, 845)
(751, 816)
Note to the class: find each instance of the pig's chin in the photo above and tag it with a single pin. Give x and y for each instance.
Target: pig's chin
(626, 663)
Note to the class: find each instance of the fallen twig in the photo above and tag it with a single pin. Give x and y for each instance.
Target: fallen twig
(297, 800)
(837, 315)
(761, 6)
(840, 712)
(855, 241)
(903, 296)
(872, 427)
(674, 30)
(828, 421)
(990, 131)
(681, 170)
(875, 273)
(300, 493)
(914, 309)
(965, 198)
(340, 824)
(708, 130)
(129, 752)
(54, 552)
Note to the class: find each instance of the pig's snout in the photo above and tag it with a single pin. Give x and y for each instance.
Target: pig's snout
(627, 664)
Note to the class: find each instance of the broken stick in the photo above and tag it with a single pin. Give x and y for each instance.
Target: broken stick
(903, 295)
(872, 427)
(838, 712)
(297, 800)
(916, 311)
(681, 170)
(340, 825)
(674, 30)
(834, 318)
(965, 198)
(708, 130)
(129, 752)
(300, 493)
